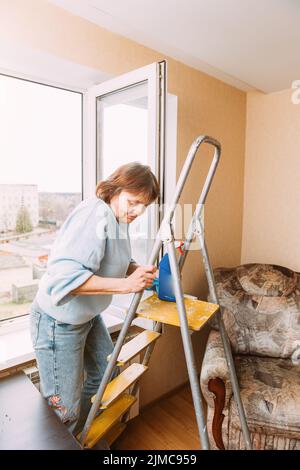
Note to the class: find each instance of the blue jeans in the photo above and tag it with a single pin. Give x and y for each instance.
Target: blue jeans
(64, 352)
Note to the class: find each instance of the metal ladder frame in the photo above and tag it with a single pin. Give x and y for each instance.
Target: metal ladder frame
(165, 235)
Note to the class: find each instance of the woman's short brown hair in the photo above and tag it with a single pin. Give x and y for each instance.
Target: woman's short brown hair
(132, 177)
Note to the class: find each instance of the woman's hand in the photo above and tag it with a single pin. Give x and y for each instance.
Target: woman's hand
(140, 279)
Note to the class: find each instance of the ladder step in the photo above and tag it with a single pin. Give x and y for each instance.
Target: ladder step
(119, 384)
(112, 435)
(135, 346)
(107, 419)
(198, 312)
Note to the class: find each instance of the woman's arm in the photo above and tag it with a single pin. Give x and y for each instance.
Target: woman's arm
(105, 285)
(101, 285)
(141, 278)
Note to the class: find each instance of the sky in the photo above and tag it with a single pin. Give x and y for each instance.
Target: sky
(40, 136)
(124, 136)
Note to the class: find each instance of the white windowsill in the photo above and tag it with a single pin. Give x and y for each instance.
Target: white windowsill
(15, 342)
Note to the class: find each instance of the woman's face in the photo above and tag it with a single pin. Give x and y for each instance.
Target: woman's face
(128, 206)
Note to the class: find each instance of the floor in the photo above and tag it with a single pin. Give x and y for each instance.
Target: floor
(168, 424)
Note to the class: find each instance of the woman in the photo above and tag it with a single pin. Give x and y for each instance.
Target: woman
(90, 260)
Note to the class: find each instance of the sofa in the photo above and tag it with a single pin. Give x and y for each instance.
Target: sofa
(261, 312)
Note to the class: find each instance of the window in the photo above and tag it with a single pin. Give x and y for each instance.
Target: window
(40, 182)
(127, 123)
(122, 120)
(51, 157)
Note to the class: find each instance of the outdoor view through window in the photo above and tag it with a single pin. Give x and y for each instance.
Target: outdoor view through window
(40, 182)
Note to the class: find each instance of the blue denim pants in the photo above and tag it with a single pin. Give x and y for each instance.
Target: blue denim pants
(71, 360)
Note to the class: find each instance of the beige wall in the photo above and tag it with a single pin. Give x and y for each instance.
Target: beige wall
(205, 106)
(271, 227)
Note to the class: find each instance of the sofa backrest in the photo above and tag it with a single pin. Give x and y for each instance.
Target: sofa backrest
(261, 308)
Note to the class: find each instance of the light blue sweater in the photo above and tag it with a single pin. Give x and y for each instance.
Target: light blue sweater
(90, 241)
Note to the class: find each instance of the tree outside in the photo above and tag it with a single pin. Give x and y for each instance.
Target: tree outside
(23, 221)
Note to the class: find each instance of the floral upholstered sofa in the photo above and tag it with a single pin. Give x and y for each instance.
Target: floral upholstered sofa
(261, 312)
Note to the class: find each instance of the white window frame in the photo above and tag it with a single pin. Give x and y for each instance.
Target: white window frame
(147, 73)
(155, 76)
(18, 327)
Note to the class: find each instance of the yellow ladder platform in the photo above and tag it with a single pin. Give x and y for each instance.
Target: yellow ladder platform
(198, 312)
(103, 423)
(120, 383)
(135, 346)
(112, 435)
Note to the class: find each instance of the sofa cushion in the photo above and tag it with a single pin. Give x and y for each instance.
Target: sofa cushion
(266, 279)
(270, 392)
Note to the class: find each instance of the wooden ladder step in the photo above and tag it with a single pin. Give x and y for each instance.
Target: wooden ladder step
(198, 311)
(135, 346)
(103, 423)
(120, 383)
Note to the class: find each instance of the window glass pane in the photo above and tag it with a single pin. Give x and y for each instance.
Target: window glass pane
(122, 137)
(122, 128)
(40, 182)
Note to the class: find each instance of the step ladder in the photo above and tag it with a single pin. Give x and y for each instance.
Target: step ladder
(112, 399)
